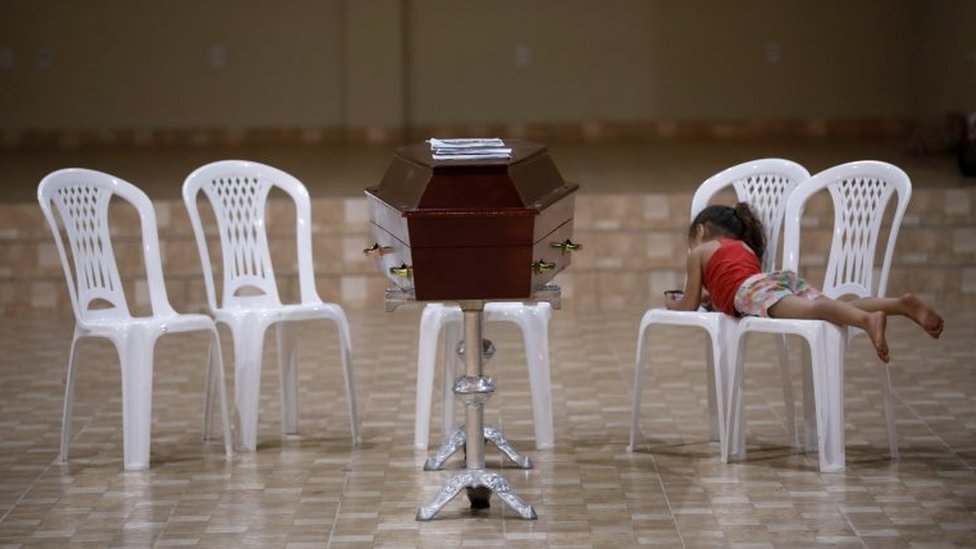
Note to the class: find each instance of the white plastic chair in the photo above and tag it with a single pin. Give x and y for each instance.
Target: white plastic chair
(860, 192)
(764, 184)
(532, 318)
(237, 191)
(81, 198)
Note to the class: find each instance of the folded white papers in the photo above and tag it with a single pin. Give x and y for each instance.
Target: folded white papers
(474, 155)
(471, 148)
(465, 143)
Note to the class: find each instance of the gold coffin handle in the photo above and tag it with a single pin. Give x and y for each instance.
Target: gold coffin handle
(382, 250)
(542, 266)
(403, 271)
(566, 246)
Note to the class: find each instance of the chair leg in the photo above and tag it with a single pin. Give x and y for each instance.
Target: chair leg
(638, 387)
(735, 429)
(430, 327)
(69, 399)
(535, 332)
(248, 349)
(889, 410)
(828, 375)
(348, 372)
(136, 362)
(215, 377)
(288, 376)
(209, 387)
(810, 443)
(714, 405)
(786, 378)
(722, 340)
(452, 365)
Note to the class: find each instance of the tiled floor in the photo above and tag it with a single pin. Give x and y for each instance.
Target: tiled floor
(316, 490)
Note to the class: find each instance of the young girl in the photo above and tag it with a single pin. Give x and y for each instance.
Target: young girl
(724, 258)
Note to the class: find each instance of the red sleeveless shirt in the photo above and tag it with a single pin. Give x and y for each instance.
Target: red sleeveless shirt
(727, 269)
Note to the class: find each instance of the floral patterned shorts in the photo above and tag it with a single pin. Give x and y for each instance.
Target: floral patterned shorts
(761, 291)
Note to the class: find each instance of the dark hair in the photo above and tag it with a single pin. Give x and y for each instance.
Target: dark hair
(739, 222)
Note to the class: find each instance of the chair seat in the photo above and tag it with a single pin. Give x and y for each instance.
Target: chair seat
(277, 313)
(175, 323)
(683, 318)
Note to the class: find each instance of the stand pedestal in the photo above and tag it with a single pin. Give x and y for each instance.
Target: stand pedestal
(474, 389)
(457, 439)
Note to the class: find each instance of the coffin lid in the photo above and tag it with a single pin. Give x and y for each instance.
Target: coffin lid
(526, 183)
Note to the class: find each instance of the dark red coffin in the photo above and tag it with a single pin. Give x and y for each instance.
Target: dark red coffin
(472, 229)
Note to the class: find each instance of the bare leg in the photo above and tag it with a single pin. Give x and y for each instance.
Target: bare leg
(838, 312)
(908, 306)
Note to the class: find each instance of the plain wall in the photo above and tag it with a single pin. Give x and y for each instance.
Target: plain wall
(650, 60)
(389, 64)
(146, 64)
(944, 57)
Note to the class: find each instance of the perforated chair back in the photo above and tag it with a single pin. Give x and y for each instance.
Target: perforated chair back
(76, 203)
(80, 198)
(764, 184)
(860, 193)
(238, 193)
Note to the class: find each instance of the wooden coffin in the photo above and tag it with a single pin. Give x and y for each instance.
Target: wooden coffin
(472, 229)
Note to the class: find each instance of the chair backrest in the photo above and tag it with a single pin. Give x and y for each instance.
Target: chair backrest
(80, 198)
(238, 192)
(860, 192)
(765, 185)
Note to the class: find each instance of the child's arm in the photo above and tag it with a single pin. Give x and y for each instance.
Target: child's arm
(693, 284)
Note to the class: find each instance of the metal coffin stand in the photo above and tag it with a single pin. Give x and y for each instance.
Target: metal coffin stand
(474, 388)
(473, 232)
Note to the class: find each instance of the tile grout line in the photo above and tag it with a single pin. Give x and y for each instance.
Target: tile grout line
(667, 501)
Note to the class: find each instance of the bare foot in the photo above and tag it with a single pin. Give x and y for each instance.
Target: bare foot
(923, 315)
(875, 328)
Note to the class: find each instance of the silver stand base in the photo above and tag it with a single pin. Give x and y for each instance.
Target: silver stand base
(458, 439)
(480, 484)
(474, 389)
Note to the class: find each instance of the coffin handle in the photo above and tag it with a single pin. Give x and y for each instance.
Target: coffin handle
(381, 250)
(566, 246)
(403, 271)
(542, 266)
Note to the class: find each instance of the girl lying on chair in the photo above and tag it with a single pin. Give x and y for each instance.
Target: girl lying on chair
(723, 258)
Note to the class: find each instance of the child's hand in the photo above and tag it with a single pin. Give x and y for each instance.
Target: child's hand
(706, 301)
(672, 297)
